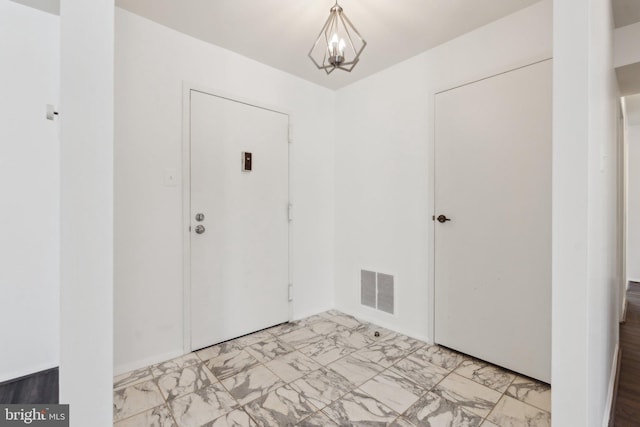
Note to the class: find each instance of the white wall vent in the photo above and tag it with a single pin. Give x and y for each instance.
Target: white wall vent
(377, 291)
(385, 293)
(368, 288)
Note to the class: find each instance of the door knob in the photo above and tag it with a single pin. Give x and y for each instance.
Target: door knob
(199, 229)
(443, 219)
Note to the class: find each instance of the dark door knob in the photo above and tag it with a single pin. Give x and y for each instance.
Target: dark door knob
(442, 218)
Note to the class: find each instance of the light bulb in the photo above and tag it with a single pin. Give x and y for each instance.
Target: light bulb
(341, 47)
(333, 45)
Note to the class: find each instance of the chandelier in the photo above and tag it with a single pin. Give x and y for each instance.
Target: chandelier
(338, 45)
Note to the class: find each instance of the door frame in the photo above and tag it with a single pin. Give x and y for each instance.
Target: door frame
(623, 185)
(187, 88)
(431, 176)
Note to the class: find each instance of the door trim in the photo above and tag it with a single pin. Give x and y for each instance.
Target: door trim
(187, 88)
(431, 175)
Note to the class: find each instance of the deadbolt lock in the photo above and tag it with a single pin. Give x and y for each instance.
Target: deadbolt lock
(200, 217)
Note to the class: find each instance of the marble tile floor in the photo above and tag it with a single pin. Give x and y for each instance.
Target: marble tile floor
(328, 370)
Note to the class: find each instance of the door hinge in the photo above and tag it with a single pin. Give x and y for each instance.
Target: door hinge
(290, 212)
(290, 292)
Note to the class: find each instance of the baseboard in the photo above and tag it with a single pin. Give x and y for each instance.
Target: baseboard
(302, 315)
(609, 413)
(625, 304)
(386, 325)
(132, 366)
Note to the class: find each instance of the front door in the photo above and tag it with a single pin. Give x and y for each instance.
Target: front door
(239, 158)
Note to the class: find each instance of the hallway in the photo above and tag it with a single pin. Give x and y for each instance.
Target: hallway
(627, 411)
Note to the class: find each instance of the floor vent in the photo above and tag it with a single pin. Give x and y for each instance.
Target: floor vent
(377, 291)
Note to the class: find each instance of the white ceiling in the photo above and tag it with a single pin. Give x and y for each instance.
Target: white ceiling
(280, 33)
(50, 6)
(626, 12)
(632, 109)
(629, 79)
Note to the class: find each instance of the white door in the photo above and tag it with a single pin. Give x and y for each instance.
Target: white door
(493, 258)
(239, 261)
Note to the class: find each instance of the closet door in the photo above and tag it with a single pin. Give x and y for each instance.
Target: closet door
(493, 235)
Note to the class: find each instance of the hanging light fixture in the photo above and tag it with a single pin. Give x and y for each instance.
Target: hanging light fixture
(338, 45)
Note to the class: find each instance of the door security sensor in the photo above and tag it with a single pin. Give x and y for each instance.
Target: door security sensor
(246, 161)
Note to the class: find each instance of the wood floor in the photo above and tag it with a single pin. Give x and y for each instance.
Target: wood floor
(627, 404)
(38, 388)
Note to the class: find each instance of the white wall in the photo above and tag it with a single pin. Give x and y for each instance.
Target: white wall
(383, 163)
(86, 297)
(30, 176)
(633, 203)
(585, 282)
(151, 63)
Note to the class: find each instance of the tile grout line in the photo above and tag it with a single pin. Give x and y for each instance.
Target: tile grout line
(166, 403)
(432, 387)
(326, 366)
(486, 418)
(321, 410)
(369, 379)
(286, 384)
(239, 406)
(154, 380)
(358, 387)
(521, 400)
(202, 364)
